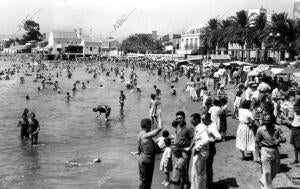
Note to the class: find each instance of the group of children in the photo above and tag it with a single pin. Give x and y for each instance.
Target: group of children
(180, 169)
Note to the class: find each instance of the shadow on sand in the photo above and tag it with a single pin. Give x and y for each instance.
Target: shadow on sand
(284, 168)
(227, 138)
(226, 183)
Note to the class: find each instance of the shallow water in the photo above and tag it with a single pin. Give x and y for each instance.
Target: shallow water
(70, 132)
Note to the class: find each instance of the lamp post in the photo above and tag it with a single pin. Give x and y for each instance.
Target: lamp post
(274, 37)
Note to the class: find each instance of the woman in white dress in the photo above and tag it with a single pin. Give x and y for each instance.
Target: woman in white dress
(245, 138)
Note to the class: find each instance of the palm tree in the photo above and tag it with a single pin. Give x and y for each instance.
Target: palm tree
(259, 31)
(288, 30)
(224, 35)
(210, 34)
(240, 29)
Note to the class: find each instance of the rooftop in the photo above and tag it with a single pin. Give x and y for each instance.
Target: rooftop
(64, 35)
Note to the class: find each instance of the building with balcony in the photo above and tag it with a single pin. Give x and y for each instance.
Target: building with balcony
(190, 40)
(110, 46)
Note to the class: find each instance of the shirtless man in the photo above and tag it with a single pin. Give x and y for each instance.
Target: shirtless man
(34, 128)
(24, 127)
(102, 109)
(122, 99)
(146, 151)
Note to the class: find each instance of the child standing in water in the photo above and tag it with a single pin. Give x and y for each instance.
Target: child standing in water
(153, 108)
(68, 97)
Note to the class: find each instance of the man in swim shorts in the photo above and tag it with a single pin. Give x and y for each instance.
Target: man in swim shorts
(102, 109)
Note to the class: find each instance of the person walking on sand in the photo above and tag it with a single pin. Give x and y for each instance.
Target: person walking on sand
(146, 151)
(201, 152)
(268, 138)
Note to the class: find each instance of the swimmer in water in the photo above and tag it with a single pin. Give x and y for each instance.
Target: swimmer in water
(24, 124)
(122, 98)
(74, 87)
(83, 85)
(102, 109)
(68, 97)
(34, 128)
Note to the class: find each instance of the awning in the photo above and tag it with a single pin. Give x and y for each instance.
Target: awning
(220, 57)
(289, 71)
(276, 71)
(239, 63)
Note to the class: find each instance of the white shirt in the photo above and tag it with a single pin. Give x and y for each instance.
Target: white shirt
(296, 121)
(248, 93)
(215, 112)
(255, 95)
(161, 142)
(213, 132)
(201, 137)
(245, 116)
(263, 87)
(216, 75)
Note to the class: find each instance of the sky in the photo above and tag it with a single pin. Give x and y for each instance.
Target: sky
(98, 17)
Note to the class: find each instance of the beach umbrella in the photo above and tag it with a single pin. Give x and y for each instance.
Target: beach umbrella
(254, 72)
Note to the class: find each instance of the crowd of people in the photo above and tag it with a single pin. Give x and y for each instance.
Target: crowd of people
(261, 105)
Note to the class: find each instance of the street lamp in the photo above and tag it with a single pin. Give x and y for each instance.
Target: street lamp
(274, 37)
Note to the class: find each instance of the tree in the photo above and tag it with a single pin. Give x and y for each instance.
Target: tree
(289, 33)
(240, 29)
(259, 31)
(210, 34)
(32, 31)
(224, 33)
(141, 43)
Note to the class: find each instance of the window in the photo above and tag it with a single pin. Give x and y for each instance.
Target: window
(186, 45)
(91, 48)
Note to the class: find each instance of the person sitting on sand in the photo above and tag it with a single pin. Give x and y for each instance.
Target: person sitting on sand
(102, 109)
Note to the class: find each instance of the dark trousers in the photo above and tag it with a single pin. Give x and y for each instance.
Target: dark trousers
(146, 168)
(216, 81)
(34, 139)
(209, 165)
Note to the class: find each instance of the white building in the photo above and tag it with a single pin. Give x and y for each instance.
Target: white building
(73, 43)
(91, 46)
(59, 41)
(252, 13)
(190, 40)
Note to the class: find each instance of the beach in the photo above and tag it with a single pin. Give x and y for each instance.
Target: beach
(71, 133)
